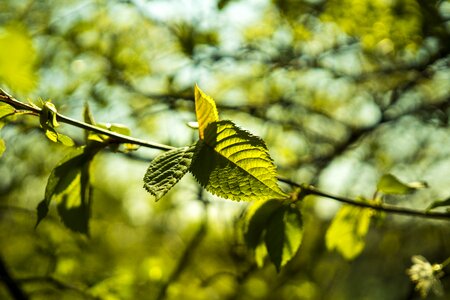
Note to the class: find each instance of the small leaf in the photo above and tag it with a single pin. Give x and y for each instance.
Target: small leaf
(389, 184)
(205, 109)
(48, 116)
(65, 140)
(56, 137)
(234, 164)
(166, 170)
(284, 235)
(348, 230)
(439, 203)
(68, 185)
(6, 110)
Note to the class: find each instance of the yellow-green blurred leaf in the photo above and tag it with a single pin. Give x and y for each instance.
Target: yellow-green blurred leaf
(348, 231)
(17, 59)
(283, 235)
(2, 147)
(389, 184)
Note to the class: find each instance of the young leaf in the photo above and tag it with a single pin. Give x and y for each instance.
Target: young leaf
(440, 203)
(6, 110)
(232, 163)
(389, 184)
(166, 170)
(283, 235)
(348, 230)
(205, 109)
(69, 186)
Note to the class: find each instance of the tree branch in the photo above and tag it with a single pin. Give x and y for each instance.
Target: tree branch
(305, 189)
(12, 285)
(117, 137)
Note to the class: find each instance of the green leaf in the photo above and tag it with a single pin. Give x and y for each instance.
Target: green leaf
(256, 218)
(2, 147)
(284, 235)
(6, 110)
(166, 170)
(234, 164)
(56, 137)
(439, 203)
(348, 230)
(69, 186)
(273, 228)
(389, 184)
(48, 116)
(17, 58)
(205, 109)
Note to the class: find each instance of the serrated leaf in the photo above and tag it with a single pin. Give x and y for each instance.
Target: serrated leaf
(389, 184)
(283, 235)
(439, 203)
(348, 231)
(166, 170)
(68, 185)
(234, 164)
(256, 218)
(205, 110)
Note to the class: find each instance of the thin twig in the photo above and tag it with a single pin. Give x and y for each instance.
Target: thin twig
(307, 190)
(117, 137)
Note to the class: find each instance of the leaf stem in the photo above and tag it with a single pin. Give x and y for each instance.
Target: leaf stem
(311, 190)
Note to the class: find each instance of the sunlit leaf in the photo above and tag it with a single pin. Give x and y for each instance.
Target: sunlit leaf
(206, 111)
(166, 170)
(56, 137)
(6, 110)
(69, 186)
(283, 235)
(234, 164)
(17, 58)
(48, 115)
(389, 184)
(348, 231)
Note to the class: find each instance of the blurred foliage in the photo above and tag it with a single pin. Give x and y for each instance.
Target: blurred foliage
(341, 91)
